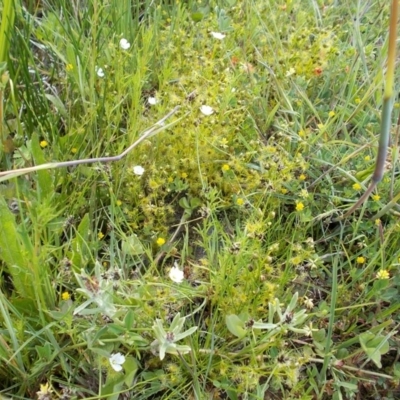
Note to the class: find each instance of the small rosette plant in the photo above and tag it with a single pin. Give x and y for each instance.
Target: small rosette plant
(166, 341)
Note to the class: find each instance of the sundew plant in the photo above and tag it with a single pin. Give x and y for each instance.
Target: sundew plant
(175, 193)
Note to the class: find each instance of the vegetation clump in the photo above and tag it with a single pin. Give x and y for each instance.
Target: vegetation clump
(210, 261)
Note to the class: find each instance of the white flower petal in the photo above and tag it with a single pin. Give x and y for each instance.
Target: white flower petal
(138, 170)
(218, 35)
(176, 274)
(116, 361)
(206, 110)
(124, 44)
(152, 101)
(99, 71)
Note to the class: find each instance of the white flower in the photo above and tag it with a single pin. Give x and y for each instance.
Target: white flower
(218, 35)
(99, 71)
(152, 101)
(124, 44)
(176, 274)
(116, 361)
(206, 110)
(138, 170)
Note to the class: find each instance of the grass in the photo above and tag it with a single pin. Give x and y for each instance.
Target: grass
(273, 296)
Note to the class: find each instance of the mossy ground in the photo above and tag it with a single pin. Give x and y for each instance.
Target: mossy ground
(240, 196)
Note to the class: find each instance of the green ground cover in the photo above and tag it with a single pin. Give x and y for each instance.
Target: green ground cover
(207, 263)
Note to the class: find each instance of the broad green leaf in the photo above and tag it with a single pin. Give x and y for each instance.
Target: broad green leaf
(14, 254)
(79, 248)
(264, 325)
(319, 335)
(235, 326)
(131, 367)
(374, 346)
(44, 351)
(132, 246)
(58, 104)
(45, 180)
(293, 302)
(197, 16)
(129, 319)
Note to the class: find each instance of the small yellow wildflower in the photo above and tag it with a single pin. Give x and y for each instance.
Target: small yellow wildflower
(170, 179)
(184, 175)
(331, 114)
(226, 167)
(302, 177)
(223, 143)
(69, 67)
(302, 134)
(377, 222)
(382, 274)
(74, 150)
(361, 260)
(239, 201)
(376, 197)
(357, 100)
(118, 203)
(304, 194)
(367, 158)
(43, 144)
(160, 241)
(45, 391)
(299, 206)
(357, 186)
(320, 126)
(65, 296)
(284, 190)
(100, 235)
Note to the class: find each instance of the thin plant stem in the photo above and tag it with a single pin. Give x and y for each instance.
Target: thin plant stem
(158, 127)
(386, 112)
(327, 349)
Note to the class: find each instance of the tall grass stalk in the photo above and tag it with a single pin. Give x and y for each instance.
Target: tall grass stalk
(7, 24)
(386, 122)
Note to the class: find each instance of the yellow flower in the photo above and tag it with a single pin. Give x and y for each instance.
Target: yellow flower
(360, 260)
(43, 144)
(377, 222)
(304, 193)
(357, 100)
(382, 274)
(320, 126)
(45, 391)
(332, 114)
(302, 177)
(184, 175)
(357, 186)
(100, 235)
(160, 241)
(65, 296)
(239, 201)
(226, 167)
(118, 203)
(284, 190)
(223, 143)
(376, 197)
(170, 179)
(302, 134)
(69, 67)
(367, 158)
(299, 206)
(74, 150)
